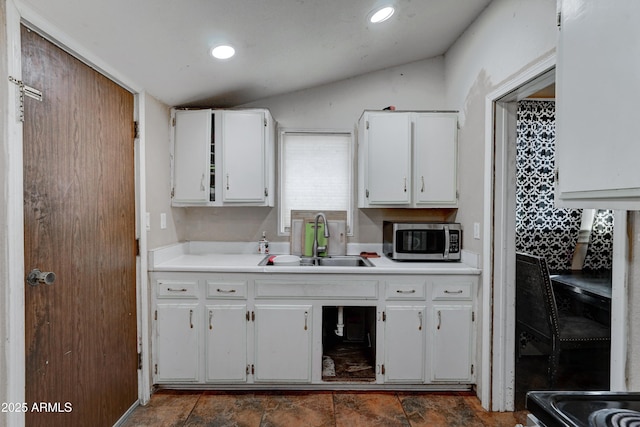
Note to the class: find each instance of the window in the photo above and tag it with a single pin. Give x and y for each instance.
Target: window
(316, 170)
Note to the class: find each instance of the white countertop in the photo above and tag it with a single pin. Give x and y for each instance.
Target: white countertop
(241, 258)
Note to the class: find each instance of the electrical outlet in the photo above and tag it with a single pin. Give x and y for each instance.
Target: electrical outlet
(476, 230)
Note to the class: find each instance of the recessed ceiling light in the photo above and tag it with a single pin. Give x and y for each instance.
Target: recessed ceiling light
(381, 15)
(223, 52)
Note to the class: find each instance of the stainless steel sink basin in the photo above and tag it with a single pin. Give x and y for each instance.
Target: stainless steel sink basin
(344, 261)
(330, 261)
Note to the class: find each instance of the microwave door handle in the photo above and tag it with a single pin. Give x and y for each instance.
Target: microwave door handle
(446, 242)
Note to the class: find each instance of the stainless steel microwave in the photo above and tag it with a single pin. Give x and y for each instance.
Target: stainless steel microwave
(424, 241)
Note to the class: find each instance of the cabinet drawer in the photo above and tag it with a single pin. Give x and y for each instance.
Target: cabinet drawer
(405, 291)
(353, 289)
(177, 289)
(452, 291)
(227, 289)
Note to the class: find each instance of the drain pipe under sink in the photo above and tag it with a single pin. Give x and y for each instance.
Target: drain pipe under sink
(340, 325)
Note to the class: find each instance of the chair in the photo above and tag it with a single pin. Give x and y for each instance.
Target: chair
(537, 314)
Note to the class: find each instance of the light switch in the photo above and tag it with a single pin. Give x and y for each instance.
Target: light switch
(163, 221)
(476, 230)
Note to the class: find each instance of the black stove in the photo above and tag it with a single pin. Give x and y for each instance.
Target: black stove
(585, 409)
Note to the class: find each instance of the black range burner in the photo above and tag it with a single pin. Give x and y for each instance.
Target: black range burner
(613, 417)
(585, 408)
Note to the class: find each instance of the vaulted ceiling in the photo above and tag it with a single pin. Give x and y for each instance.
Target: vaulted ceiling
(281, 45)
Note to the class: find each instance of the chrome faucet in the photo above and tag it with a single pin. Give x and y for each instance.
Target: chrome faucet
(317, 249)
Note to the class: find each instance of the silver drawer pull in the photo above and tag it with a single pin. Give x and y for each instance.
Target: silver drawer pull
(226, 291)
(402, 291)
(453, 292)
(177, 290)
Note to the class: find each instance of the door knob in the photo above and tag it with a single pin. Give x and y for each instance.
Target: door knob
(37, 277)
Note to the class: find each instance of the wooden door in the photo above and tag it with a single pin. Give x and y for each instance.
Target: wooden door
(79, 215)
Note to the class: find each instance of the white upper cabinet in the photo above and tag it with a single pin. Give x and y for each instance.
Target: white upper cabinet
(191, 156)
(243, 155)
(597, 76)
(223, 158)
(435, 159)
(407, 159)
(385, 145)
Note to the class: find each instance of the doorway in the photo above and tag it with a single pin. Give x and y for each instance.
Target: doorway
(576, 245)
(81, 357)
(498, 346)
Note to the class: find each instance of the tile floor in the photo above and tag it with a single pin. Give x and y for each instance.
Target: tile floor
(307, 409)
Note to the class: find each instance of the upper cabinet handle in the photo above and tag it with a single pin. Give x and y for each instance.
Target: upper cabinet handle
(405, 184)
(422, 189)
(202, 183)
(227, 181)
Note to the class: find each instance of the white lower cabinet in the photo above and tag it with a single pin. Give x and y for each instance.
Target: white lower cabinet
(451, 343)
(226, 343)
(452, 326)
(283, 343)
(244, 329)
(404, 331)
(177, 340)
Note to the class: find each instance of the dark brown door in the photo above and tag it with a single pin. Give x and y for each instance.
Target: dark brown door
(79, 214)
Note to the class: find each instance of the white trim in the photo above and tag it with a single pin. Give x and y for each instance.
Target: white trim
(15, 344)
(142, 286)
(619, 303)
(498, 319)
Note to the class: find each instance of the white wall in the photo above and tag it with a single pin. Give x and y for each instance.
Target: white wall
(415, 86)
(158, 174)
(509, 36)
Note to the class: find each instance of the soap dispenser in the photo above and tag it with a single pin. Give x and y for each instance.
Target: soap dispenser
(263, 244)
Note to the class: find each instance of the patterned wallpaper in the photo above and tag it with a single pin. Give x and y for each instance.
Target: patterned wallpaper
(542, 229)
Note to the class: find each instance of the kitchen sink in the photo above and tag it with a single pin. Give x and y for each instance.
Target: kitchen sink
(329, 261)
(344, 261)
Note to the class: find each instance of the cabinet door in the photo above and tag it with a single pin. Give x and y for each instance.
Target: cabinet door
(283, 343)
(192, 157)
(388, 161)
(404, 346)
(435, 159)
(226, 343)
(451, 343)
(177, 331)
(597, 144)
(243, 145)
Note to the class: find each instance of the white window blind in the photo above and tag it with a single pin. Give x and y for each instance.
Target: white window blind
(315, 174)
